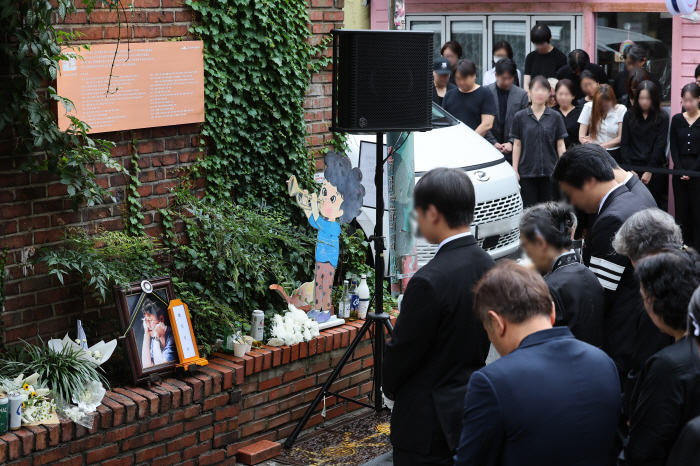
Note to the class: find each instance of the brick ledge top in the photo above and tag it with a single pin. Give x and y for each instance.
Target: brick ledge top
(264, 358)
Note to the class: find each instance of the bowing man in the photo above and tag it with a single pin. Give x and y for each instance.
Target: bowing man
(586, 177)
(579, 299)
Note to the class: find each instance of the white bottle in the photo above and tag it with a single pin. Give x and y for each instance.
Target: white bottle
(363, 292)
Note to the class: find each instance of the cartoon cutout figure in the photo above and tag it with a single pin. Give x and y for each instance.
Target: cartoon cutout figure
(339, 200)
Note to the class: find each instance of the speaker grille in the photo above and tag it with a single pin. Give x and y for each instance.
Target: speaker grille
(384, 80)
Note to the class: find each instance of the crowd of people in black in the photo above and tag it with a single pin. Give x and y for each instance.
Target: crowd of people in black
(599, 344)
(599, 329)
(580, 106)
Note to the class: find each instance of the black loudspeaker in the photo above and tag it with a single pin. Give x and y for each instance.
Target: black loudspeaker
(382, 81)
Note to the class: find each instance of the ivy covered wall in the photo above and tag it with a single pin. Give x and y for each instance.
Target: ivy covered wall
(34, 207)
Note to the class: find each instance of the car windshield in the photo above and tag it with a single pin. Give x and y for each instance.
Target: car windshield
(441, 118)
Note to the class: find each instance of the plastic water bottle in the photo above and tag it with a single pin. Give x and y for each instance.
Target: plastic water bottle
(363, 295)
(354, 300)
(345, 301)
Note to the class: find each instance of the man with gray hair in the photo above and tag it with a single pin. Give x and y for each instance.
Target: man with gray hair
(640, 235)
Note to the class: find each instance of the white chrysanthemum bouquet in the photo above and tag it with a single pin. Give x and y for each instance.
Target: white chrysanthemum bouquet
(293, 327)
(37, 406)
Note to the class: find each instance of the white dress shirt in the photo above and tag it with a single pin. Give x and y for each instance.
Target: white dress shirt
(606, 196)
(452, 238)
(608, 127)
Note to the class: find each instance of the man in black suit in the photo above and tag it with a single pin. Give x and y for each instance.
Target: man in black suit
(588, 180)
(437, 342)
(551, 400)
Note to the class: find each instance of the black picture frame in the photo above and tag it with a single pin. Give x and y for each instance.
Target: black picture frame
(127, 299)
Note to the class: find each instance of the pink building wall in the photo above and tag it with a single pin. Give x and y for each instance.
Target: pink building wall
(686, 35)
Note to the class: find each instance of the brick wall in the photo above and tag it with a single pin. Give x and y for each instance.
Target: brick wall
(33, 207)
(206, 418)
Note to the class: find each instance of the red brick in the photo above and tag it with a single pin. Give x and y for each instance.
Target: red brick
(266, 411)
(225, 439)
(100, 454)
(226, 374)
(137, 442)
(276, 355)
(167, 460)
(280, 392)
(207, 383)
(121, 433)
(255, 400)
(185, 389)
(215, 401)
(196, 385)
(286, 352)
(140, 401)
(259, 452)
(129, 406)
(149, 453)
(175, 394)
(196, 450)
(86, 443)
(150, 396)
(164, 397)
(26, 440)
(229, 411)
(49, 456)
(253, 428)
(182, 443)
(294, 352)
(295, 374)
(277, 421)
(167, 432)
(303, 384)
(160, 421)
(123, 461)
(117, 411)
(199, 422)
(273, 382)
(291, 402)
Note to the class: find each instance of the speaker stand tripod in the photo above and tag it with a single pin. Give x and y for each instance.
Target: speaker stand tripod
(379, 319)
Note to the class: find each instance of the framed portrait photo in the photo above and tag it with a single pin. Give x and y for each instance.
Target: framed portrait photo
(143, 314)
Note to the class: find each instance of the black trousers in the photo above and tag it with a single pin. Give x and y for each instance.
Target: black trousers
(440, 453)
(658, 185)
(687, 201)
(616, 154)
(537, 189)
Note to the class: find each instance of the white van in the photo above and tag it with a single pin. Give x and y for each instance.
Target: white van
(453, 144)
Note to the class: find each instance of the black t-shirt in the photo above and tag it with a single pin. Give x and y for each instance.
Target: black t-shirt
(547, 65)
(469, 106)
(572, 125)
(436, 98)
(565, 72)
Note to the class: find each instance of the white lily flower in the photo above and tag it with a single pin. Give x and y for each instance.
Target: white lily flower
(42, 391)
(19, 379)
(32, 379)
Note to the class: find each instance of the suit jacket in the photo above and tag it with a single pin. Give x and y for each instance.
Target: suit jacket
(640, 190)
(623, 302)
(554, 401)
(517, 100)
(578, 297)
(436, 345)
(687, 445)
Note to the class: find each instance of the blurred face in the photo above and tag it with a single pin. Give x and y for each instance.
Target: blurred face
(536, 250)
(465, 82)
(690, 103)
(427, 220)
(631, 64)
(581, 198)
(504, 80)
(697, 80)
(542, 48)
(564, 96)
(606, 105)
(588, 86)
(441, 80)
(500, 54)
(539, 94)
(644, 100)
(451, 56)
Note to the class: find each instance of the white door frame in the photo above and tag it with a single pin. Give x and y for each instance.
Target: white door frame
(421, 18)
(484, 43)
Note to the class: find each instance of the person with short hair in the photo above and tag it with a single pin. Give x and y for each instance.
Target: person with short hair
(550, 400)
(579, 299)
(685, 152)
(470, 103)
(441, 79)
(453, 52)
(578, 62)
(546, 59)
(568, 108)
(668, 392)
(589, 182)
(437, 342)
(635, 57)
(158, 346)
(601, 121)
(645, 138)
(501, 50)
(644, 232)
(509, 99)
(538, 134)
(588, 84)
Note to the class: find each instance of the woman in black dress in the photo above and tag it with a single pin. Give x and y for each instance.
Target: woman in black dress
(568, 107)
(685, 152)
(645, 137)
(667, 395)
(634, 79)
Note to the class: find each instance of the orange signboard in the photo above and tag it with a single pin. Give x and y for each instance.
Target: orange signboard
(153, 84)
